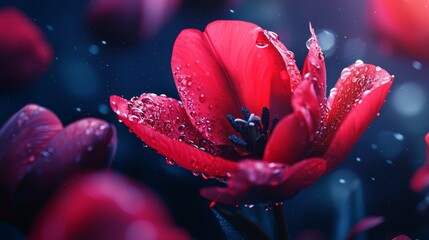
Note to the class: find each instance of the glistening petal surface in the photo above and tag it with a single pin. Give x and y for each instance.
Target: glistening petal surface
(229, 65)
(353, 104)
(150, 126)
(314, 67)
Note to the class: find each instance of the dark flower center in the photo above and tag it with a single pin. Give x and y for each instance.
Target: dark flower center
(253, 130)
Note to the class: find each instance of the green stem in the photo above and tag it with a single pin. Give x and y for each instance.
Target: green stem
(282, 233)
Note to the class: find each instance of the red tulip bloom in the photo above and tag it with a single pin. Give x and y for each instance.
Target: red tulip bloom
(24, 52)
(401, 26)
(229, 74)
(420, 180)
(105, 206)
(38, 154)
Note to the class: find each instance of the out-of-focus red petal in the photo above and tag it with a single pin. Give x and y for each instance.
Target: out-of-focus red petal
(401, 237)
(257, 181)
(22, 137)
(127, 21)
(314, 67)
(420, 179)
(105, 206)
(288, 141)
(230, 65)
(162, 123)
(155, 13)
(401, 26)
(304, 100)
(427, 147)
(365, 225)
(354, 103)
(24, 52)
(84, 145)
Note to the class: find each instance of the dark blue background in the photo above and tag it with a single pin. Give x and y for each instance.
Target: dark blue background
(78, 84)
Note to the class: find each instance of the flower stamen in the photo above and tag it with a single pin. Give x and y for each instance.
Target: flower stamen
(253, 131)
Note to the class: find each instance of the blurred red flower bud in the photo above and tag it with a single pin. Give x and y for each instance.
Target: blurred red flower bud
(105, 206)
(24, 52)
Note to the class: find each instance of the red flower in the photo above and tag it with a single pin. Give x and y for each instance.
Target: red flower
(401, 26)
(364, 225)
(124, 21)
(24, 52)
(38, 154)
(420, 180)
(105, 206)
(235, 65)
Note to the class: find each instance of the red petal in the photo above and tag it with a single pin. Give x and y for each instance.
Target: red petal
(222, 69)
(105, 206)
(420, 179)
(314, 67)
(304, 100)
(427, 147)
(24, 52)
(288, 141)
(401, 25)
(23, 136)
(162, 123)
(360, 95)
(256, 181)
(83, 145)
(402, 237)
(364, 225)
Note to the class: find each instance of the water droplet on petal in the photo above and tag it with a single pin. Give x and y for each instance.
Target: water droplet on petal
(202, 98)
(358, 62)
(345, 73)
(309, 42)
(170, 161)
(262, 40)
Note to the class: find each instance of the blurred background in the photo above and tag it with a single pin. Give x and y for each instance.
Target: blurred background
(90, 62)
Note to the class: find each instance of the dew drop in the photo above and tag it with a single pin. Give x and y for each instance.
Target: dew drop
(378, 68)
(358, 63)
(309, 42)
(261, 40)
(345, 73)
(290, 54)
(272, 35)
(170, 161)
(202, 97)
(358, 159)
(196, 174)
